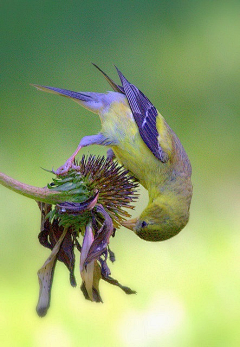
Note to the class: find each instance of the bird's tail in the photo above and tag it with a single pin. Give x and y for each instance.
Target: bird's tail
(89, 100)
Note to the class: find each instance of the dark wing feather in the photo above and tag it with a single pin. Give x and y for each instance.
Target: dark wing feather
(114, 86)
(145, 115)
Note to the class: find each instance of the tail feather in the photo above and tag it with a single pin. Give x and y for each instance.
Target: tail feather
(90, 101)
(64, 92)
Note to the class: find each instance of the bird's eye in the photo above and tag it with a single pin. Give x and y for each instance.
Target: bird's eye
(143, 224)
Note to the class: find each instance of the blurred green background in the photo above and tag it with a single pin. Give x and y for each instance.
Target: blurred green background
(185, 56)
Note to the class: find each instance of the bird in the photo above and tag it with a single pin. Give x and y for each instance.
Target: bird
(139, 137)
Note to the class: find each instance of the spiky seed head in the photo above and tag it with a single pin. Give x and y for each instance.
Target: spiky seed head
(117, 189)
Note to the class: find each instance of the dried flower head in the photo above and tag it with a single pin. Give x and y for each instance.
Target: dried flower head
(97, 192)
(89, 202)
(115, 187)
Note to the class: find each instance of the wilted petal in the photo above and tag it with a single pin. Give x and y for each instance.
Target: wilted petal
(50, 234)
(45, 278)
(111, 255)
(43, 238)
(105, 271)
(87, 270)
(95, 286)
(45, 224)
(111, 280)
(78, 207)
(101, 241)
(66, 252)
(66, 255)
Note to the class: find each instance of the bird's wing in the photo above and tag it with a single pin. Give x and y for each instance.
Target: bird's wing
(114, 86)
(145, 115)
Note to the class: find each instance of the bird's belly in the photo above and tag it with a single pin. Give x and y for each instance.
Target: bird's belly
(139, 160)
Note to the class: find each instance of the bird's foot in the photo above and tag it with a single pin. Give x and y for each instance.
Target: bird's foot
(64, 169)
(110, 154)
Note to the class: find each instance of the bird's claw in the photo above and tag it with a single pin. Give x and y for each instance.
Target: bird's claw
(110, 154)
(64, 169)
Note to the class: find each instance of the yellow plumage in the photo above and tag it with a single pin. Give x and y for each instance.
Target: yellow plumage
(143, 142)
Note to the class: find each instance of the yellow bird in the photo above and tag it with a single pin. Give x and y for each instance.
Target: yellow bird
(143, 143)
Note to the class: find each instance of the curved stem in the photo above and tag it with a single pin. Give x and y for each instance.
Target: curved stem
(36, 193)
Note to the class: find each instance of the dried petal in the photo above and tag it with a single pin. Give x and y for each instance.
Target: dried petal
(78, 207)
(66, 255)
(101, 241)
(87, 270)
(111, 255)
(43, 238)
(111, 280)
(45, 224)
(95, 286)
(49, 237)
(45, 278)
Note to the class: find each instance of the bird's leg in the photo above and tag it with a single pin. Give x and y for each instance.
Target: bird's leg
(98, 139)
(110, 154)
(62, 170)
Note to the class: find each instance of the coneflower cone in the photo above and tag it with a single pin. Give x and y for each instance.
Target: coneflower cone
(116, 188)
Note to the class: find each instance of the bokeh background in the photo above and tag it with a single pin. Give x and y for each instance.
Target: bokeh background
(185, 56)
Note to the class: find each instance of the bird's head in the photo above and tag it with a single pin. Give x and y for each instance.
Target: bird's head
(158, 222)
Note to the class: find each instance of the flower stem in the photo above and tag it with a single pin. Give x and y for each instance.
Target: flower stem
(36, 193)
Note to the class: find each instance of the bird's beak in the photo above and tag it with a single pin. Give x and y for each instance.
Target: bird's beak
(130, 224)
